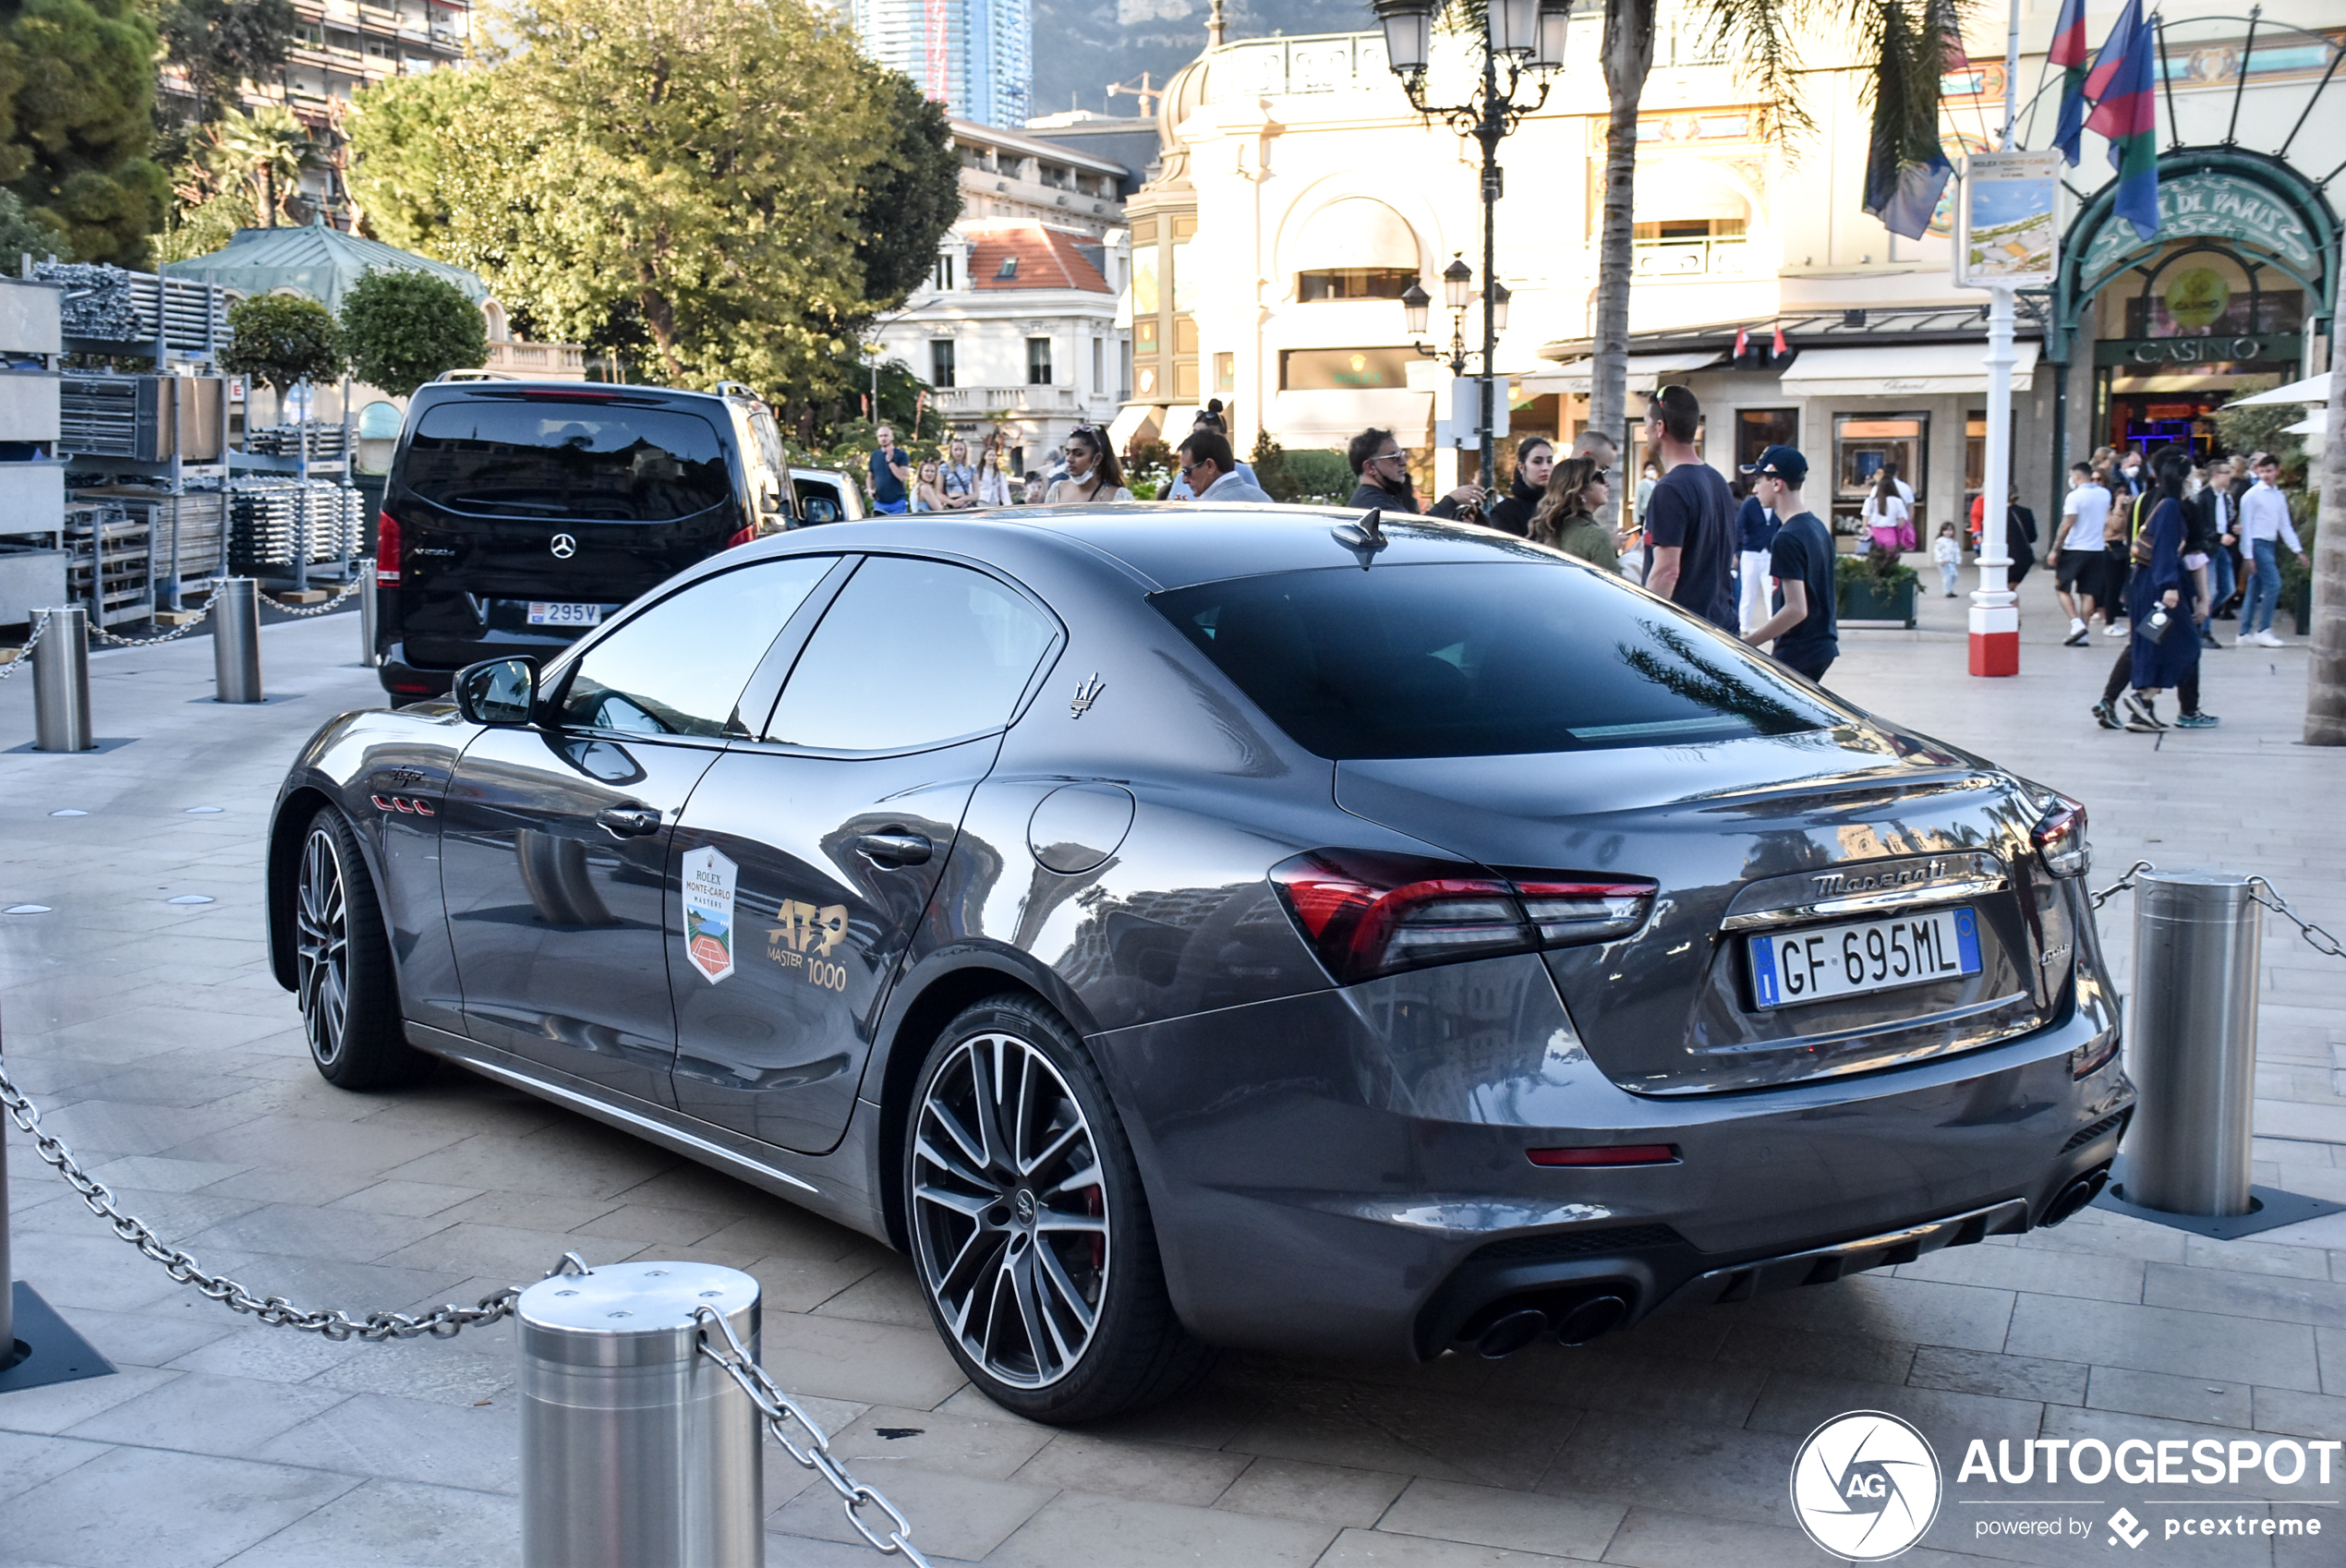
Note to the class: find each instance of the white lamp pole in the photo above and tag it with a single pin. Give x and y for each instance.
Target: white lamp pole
(1995, 608)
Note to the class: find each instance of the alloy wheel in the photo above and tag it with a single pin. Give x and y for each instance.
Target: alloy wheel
(1010, 1210)
(322, 945)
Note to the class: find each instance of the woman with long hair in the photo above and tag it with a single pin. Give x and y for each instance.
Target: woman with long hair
(929, 493)
(1535, 458)
(1566, 519)
(1887, 516)
(2160, 603)
(993, 485)
(1092, 471)
(957, 478)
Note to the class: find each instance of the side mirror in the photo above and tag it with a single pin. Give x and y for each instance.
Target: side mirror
(497, 690)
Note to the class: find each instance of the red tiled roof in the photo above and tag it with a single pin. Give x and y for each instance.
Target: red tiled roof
(1047, 258)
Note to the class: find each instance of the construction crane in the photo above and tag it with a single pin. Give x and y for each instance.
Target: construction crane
(1147, 96)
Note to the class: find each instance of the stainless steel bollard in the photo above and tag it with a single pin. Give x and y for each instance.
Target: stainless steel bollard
(8, 1356)
(370, 614)
(2192, 1047)
(61, 683)
(635, 1447)
(236, 639)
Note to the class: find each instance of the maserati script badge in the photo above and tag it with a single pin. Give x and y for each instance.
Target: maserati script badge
(563, 547)
(1086, 694)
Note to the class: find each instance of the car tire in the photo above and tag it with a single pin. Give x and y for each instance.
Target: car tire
(343, 982)
(1029, 1230)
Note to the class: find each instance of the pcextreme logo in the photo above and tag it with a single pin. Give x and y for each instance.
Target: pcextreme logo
(1866, 1486)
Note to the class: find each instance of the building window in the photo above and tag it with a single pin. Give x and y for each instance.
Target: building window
(1757, 430)
(1124, 382)
(1009, 268)
(1354, 283)
(1099, 365)
(1038, 362)
(1226, 373)
(944, 278)
(1342, 369)
(940, 362)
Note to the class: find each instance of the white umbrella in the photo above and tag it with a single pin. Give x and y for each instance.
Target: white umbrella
(2313, 425)
(2313, 389)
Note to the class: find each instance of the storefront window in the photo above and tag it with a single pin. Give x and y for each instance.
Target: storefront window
(1862, 445)
(1757, 430)
(1343, 369)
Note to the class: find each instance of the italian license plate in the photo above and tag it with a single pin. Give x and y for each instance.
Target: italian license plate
(543, 614)
(1850, 959)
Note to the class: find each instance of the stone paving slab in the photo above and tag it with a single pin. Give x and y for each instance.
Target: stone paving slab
(170, 1057)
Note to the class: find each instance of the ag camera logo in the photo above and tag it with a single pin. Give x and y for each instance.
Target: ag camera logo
(1866, 1486)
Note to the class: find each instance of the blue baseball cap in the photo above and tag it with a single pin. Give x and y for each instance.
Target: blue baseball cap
(1781, 462)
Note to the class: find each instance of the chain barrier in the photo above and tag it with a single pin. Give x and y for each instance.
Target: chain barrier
(779, 1409)
(24, 653)
(442, 1322)
(101, 635)
(2121, 885)
(2261, 890)
(282, 607)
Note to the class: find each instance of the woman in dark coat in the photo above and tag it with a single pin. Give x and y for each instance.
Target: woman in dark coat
(2162, 582)
(1534, 458)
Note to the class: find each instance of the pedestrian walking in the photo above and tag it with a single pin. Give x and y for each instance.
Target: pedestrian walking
(2076, 558)
(1092, 471)
(2020, 540)
(1535, 464)
(2164, 651)
(891, 473)
(1208, 418)
(2265, 526)
(957, 478)
(1205, 463)
(1033, 489)
(2218, 521)
(1888, 515)
(1382, 465)
(993, 485)
(1690, 540)
(1948, 555)
(928, 488)
(1567, 518)
(1755, 536)
(1805, 628)
(2117, 550)
(1648, 478)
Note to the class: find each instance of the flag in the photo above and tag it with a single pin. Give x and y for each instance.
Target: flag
(2123, 85)
(1778, 348)
(2071, 53)
(1903, 199)
(1743, 340)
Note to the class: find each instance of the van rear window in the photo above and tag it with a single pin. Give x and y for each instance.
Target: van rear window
(610, 463)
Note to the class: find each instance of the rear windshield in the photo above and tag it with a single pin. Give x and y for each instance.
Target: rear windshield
(1480, 660)
(583, 460)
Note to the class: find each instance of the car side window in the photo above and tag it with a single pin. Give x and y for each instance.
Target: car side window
(678, 669)
(911, 653)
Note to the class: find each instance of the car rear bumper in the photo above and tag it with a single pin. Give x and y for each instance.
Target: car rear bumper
(410, 673)
(1371, 1195)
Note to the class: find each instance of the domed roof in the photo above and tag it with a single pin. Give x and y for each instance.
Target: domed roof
(1184, 95)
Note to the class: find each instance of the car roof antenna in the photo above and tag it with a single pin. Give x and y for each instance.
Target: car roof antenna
(1365, 537)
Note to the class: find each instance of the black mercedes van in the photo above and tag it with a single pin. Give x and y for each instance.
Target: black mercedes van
(519, 513)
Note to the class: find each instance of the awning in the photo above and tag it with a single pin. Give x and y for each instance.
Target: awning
(1917, 370)
(2313, 389)
(1132, 419)
(2311, 425)
(1333, 419)
(1646, 371)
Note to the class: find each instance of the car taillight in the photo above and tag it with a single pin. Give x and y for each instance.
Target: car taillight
(2061, 838)
(1366, 913)
(386, 550)
(2094, 1054)
(741, 536)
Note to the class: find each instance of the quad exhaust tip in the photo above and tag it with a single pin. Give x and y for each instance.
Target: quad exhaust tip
(1576, 1323)
(1597, 1315)
(1511, 1333)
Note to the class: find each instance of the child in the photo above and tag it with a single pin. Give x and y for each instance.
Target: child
(1949, 555)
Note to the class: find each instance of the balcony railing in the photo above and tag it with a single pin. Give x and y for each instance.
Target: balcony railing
(1663, 258)
(1007, 400)
(558, 360)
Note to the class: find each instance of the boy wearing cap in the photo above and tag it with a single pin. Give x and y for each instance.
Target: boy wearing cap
(1804, 628)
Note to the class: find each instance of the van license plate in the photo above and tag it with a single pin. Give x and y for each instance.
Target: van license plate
(1825, 962)
(542, 614)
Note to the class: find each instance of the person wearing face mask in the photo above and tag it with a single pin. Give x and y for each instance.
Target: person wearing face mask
(1535, 460)
(1092, 471)
(1383, 468)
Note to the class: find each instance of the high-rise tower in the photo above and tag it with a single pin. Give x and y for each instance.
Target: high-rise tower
(973, 55)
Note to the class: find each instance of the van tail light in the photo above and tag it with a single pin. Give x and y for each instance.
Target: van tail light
(741, 536)
(386, 550)
(2061, 838)
(1365, 913)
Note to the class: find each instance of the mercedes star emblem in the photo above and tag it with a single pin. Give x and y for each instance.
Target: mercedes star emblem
(563, 547)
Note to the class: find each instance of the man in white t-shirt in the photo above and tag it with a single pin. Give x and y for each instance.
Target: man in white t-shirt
(2078, 556)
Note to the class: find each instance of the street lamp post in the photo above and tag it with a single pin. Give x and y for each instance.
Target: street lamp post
(1527, 38)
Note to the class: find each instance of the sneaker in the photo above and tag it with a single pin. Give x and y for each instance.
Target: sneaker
(2079, 632)
(2106, 717)
(2197, 721)
(2076, 626)
(2116, 629)
(2265, 639)
(2207, 638)
(2141, 718)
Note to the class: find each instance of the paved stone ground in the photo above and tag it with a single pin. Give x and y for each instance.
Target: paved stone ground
(172, 1063)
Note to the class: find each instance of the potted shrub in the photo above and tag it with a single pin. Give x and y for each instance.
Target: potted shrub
(1875, 589)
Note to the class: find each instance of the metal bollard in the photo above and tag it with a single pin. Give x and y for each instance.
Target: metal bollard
(9, 1353)
(61, 683)
(635, 1447)
(370, 614)
(2191, 1049)
(236, 639)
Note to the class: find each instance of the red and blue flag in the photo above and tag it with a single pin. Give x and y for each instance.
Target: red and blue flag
(2072, 54)
(2123, 85)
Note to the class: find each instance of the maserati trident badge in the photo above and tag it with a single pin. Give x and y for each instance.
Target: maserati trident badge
(1086, 694)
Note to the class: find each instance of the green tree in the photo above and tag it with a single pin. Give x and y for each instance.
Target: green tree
(402, 329)
(220, 45)
(200, 229)
(912, 193)
(1271, 470)
(280, 339)
(79, 81)
(23, 232)
(263, 152)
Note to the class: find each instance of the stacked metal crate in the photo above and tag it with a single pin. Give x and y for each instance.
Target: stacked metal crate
(103, 539)
(270, 519)
(33, 492)
(325, 445)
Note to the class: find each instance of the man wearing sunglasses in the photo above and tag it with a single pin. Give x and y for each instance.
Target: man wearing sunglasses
(1384, 470)
(1206, 462)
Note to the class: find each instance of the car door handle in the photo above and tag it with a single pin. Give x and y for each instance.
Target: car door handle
(895, 849)
(629, 822)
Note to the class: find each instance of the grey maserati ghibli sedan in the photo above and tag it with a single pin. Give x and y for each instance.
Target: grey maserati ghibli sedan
(1179, 927)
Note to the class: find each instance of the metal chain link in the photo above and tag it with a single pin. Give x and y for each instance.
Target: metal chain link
(778, 1409)
(298, 610)
(2121, 885)
(177, 631)
(24, 653)
(2321, 941)
(442, 1322)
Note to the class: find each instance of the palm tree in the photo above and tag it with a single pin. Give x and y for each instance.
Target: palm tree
(266, 149)
(2326, 672)
(1907, 39)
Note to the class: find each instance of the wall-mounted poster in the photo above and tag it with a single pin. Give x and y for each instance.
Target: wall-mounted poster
(2009, 230)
